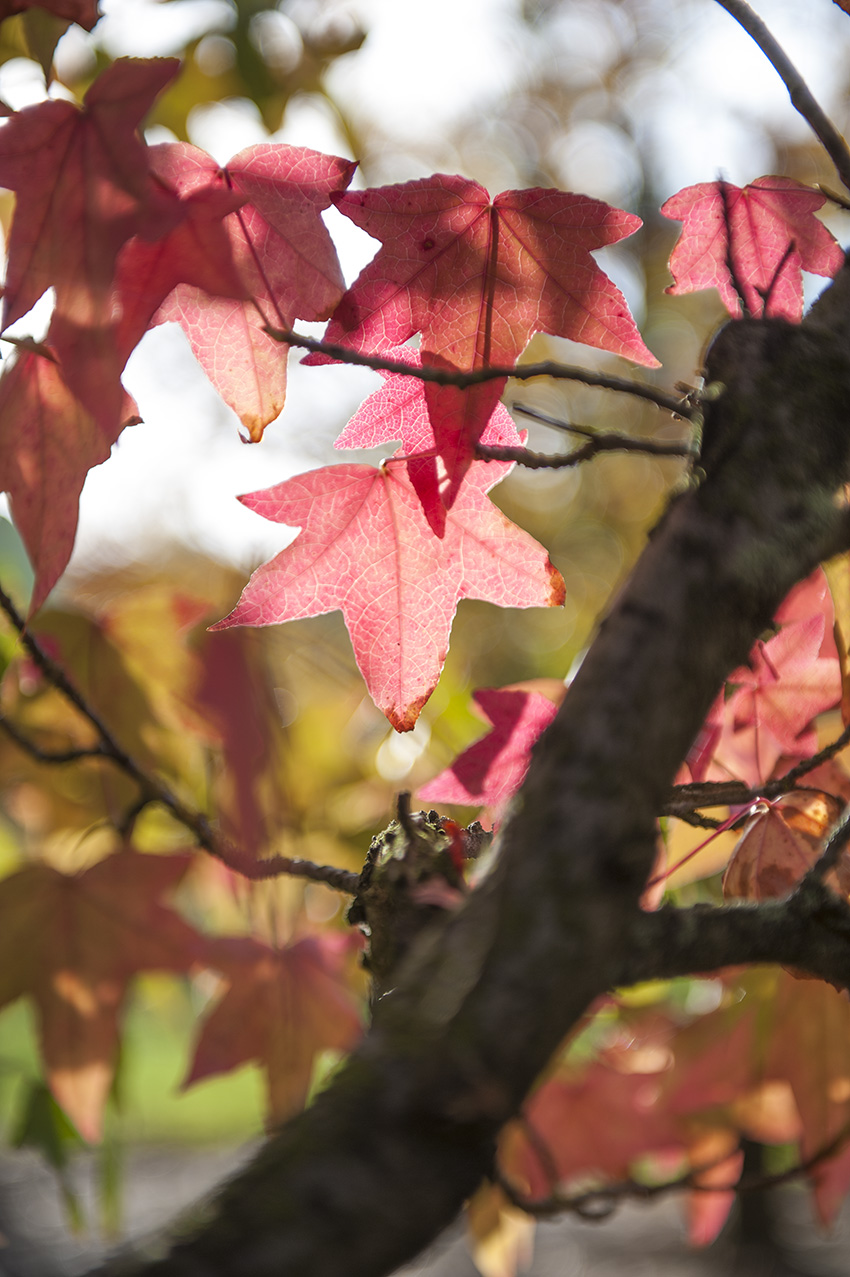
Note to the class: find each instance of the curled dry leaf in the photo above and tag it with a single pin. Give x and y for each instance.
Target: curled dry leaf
(780, 843)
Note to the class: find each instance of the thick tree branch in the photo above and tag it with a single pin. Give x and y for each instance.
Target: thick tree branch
(152, 788)
(385, 1157)
(801, 95)
(809, 930)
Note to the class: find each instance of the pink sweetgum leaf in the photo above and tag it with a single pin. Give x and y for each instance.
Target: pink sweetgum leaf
(765, 219)
(492, 769)
(196, 252)
(400, 410)
(786, 685)
(734, 740)
(287, 260)
(477, 277)
(48, 445)
(83, 188)
(367, 549)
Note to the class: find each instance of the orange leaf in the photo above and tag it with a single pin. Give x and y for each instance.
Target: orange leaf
(72, 943)
(282, 1007)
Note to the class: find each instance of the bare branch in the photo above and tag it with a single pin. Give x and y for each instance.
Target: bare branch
(152, 788)
(609, 442)
(48, 755)
(734, 793)
(800, 93)
(455, 377)
(599, 1203)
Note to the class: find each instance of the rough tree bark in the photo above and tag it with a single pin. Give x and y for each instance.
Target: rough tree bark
(383, 1161)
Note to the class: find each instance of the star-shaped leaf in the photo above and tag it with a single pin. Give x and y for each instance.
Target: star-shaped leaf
(287, 260)
(491, 770)
(83, 188)
(48, 445)
(281, 1007)
(72, 943)
(367, 549)
(478, 276)
(767, 231)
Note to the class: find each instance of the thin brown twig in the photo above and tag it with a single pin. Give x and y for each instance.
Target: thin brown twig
(152, 789)
(456, 377)
(608, 442)
(600, 1203)
(735, 793)
(801, 95)
(41, 755)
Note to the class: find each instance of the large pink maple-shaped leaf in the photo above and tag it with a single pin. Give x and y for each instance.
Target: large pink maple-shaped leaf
(366, 548)
(287, 260)
(492, 769)
(769, 233)
(48, 444)
(477, 277)
(400, 410)
(83, 188)
(735, 739)
(197, 252)
(785, 686)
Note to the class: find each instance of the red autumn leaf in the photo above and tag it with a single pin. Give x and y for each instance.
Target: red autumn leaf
(400, 410)
(778, 1030)
(236, 696)
(739, 752)
(786, 685)
(594, 1124)
(367, 549)
(48, 445)
(810, 1048)
(72, 943)
(477, 277)
(83, 12)
(282, 1006)
(288, 262)
(197, 252)
(83, 188)
(718, 1152)
(772, 235)
(491, 770)
(811, 597)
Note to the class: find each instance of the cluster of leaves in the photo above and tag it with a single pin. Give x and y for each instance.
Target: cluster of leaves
(130, 236)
